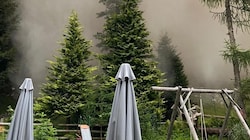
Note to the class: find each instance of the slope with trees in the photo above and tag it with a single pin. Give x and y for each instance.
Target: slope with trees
(69, 83)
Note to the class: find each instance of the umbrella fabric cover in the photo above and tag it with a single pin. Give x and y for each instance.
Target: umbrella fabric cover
(124, 120)
(21, 127)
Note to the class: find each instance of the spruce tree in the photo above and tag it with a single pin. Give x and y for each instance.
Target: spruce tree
(170, 63)
(8, 24)
(125, 39)
(68, 83)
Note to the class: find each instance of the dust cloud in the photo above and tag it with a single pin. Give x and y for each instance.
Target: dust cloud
(198, 37)
(41, 28)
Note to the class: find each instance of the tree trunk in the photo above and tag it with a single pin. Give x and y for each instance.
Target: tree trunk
(235, 61)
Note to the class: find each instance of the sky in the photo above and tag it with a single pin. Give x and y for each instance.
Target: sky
(198, 37)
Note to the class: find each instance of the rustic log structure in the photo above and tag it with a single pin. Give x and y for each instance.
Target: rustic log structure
(182, 102)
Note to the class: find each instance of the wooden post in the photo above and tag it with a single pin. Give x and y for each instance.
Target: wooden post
(242, 120)
(225, 121)
(192, 90)
(186, 99)
(229, 108)
(224, 100)
(190, 123)
(236, 108)
(174, 113)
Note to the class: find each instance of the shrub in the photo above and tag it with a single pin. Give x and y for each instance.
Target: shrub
(238, 132)
(152, 133)
(45, 129)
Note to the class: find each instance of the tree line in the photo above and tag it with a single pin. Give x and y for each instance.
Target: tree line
(74, 93)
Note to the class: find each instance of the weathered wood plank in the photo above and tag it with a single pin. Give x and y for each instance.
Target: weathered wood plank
(194, 90)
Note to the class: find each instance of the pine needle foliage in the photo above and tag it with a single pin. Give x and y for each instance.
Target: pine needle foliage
(125, 40)
(8, 24)
(69, 82)
(240, 12)
(234, 52)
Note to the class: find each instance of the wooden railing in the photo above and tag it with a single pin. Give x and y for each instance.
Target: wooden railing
(97, 131)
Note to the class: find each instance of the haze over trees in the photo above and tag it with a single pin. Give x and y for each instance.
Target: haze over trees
(74, 94)
(235, 15)
(170, 63)
(112, 6)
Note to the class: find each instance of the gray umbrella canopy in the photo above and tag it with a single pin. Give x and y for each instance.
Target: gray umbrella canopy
(124, 120)
(21, 127)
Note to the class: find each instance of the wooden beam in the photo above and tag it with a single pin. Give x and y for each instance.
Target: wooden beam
(189, 121)
(222, 96)
(174, 113)
(187, 97)
(237, 110)
(193, 90)
(242, 119)
(231, 99)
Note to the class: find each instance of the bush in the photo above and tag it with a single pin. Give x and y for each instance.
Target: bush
(238, 132)
(181, 131)
(151, 133)
(45, 129)
(213, 122)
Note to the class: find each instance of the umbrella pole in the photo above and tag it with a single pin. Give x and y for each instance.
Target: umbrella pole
(174, 113)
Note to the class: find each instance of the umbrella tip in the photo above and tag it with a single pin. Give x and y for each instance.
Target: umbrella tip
(125, 71)
(27, 84)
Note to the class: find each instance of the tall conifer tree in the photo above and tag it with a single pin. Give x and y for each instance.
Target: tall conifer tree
(170, 63)
(125, 38)
(69, 80)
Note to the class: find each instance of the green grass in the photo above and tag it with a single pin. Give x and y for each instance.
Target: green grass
(213, 104)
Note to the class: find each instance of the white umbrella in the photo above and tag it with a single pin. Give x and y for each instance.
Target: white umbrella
(21, 127)
(124, 120)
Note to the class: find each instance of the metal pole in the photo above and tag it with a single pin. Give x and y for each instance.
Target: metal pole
(174, 113)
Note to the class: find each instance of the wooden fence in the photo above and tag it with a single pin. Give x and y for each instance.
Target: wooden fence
(97, 131)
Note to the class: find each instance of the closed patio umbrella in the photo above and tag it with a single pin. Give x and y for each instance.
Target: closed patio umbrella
(21, 127)
(124, 120)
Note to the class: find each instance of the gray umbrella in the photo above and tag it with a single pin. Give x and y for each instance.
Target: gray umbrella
(21, 127)
(124, 120)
